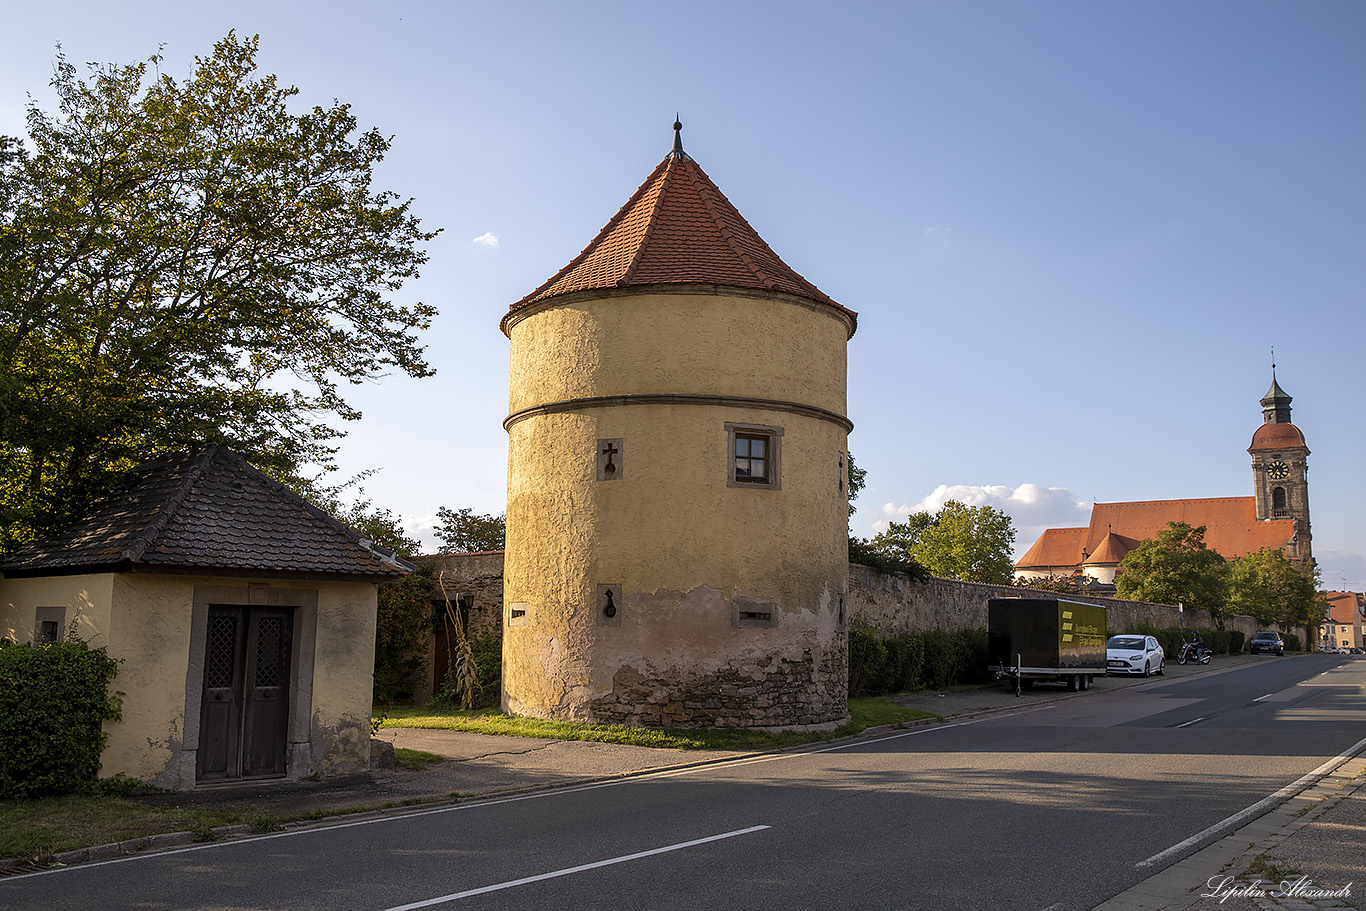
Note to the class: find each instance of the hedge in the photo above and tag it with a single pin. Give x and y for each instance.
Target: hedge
(52, 700)
(934, 658)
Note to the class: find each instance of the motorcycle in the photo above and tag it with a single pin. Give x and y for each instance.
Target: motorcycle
(1191, 652)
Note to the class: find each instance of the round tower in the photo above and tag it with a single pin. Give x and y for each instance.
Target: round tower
(677, 476)
(1280, 472)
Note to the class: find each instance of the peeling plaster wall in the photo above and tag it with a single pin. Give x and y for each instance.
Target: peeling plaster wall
(683, 551)
(343, 678)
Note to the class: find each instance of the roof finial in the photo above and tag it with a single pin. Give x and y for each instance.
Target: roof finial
(678, 152)
(1273, 363)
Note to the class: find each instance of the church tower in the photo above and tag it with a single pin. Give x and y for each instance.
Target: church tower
(1280, 472)
(677, 476)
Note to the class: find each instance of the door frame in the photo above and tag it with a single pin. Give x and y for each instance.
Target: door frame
(251, 717)
(298, 736)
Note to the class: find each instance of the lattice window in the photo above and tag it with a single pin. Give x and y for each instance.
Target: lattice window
(269, 645)
(218, 653)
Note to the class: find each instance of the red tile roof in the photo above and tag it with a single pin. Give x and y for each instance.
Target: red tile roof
(1344, 607)
(678, 228)
(1231, 528)
(1277, 436)
(1056, 547)
(206, 511)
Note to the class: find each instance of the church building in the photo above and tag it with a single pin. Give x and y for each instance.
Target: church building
(1275, 516)
(677, 476)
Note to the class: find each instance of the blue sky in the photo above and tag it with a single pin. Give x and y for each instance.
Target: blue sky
(1073, 231)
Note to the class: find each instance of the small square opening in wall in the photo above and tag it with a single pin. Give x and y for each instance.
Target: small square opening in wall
(519, 613)
(753, 614)
(47, 626)
(609, 459)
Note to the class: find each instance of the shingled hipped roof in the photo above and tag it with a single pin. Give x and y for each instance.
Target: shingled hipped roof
(206, 511)
(677, 228)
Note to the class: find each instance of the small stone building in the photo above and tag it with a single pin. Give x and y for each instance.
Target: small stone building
(677, 476)
(243, 617)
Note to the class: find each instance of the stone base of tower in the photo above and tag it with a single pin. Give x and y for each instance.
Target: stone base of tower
(696, 659)
(769, 692)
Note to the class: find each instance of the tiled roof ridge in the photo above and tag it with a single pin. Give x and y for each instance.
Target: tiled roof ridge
(704, 187)
(1173, 500)
(670, 163)
(167, 511)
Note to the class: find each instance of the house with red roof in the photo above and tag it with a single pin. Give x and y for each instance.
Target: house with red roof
(1275, 516)
(1344, 620)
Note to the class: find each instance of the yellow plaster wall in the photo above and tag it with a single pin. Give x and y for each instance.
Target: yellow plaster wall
(87, 600)
(343, 677)
(150, 634)
(681, 543)
(712, 344)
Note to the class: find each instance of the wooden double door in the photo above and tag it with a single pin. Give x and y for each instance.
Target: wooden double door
(244, 713)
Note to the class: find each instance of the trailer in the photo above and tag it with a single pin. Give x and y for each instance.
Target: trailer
(1034, 639)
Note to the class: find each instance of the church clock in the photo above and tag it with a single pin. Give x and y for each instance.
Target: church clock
(1278, 470)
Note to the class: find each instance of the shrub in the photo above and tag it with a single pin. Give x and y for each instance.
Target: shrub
(1219, 641)
(930, 658)
(1292, 642)
(52, 701)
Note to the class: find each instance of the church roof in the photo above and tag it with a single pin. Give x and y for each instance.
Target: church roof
(206, 511)
(1111, 549)
(1056, 547)
(1231, 528)
(678, 228)
(1277, 436)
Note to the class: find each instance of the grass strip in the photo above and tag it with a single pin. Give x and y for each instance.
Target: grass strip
(866, 713)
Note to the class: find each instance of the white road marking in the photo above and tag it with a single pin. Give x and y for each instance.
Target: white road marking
(455, 896)
(1257, 809)
(1186, 724)
(1267, 696)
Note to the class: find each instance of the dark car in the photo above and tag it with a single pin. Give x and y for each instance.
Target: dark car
(1266, 641)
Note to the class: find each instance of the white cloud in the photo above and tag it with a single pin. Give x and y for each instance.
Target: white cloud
(939, 234)
(1031, 508)
(487, 239)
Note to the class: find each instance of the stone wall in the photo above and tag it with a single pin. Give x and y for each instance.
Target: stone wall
(894, 604)
(772, 692)
(477, 576)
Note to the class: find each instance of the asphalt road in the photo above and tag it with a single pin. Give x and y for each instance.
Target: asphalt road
(1049, 807)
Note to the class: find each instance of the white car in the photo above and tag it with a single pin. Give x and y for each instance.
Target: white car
(1134, 655)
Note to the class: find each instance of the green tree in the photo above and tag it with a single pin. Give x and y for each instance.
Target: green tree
(463, 531)
(1266, 585)
(184, 262)
(899, 540)
(971, 543)
(858, 479)
(1175, 568)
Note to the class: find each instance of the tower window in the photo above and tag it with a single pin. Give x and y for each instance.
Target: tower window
(1278, 500)
(755, 456)
(751, 458)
